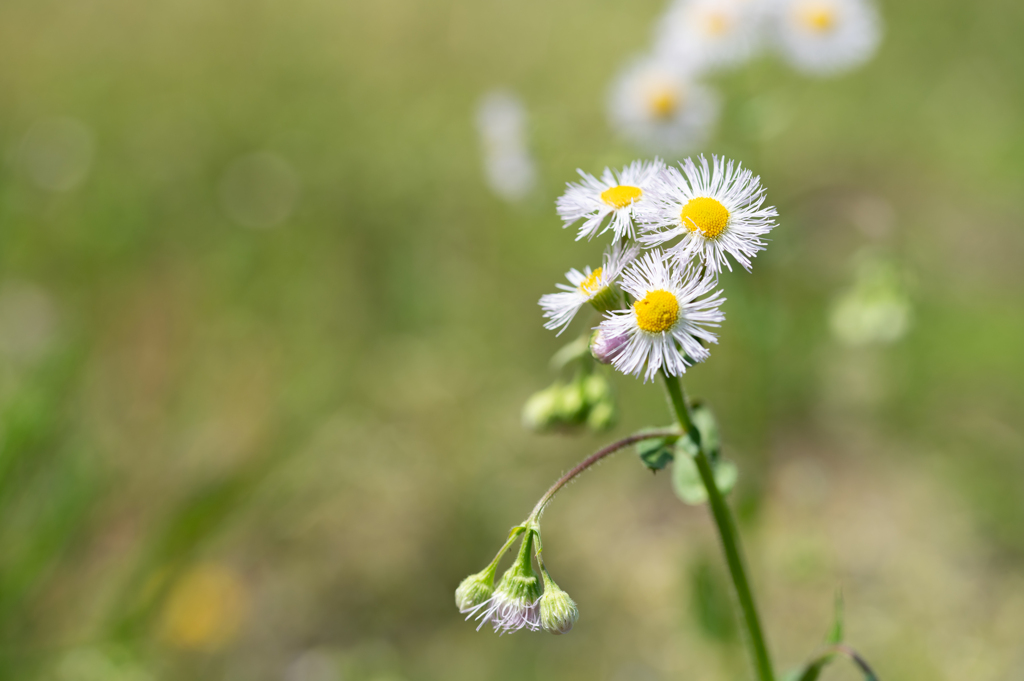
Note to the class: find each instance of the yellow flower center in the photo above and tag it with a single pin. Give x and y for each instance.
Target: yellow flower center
(716, 23)
(591, 284)
(706, 214)
(817, 16)
(657, 312)
(621, 196)
(664, 102)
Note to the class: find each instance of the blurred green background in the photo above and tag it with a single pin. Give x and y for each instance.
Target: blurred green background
(265, 335)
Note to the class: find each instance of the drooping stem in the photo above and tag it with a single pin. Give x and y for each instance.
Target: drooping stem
(590, 461)
(727, 533)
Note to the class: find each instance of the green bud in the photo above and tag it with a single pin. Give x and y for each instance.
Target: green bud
(596, 389)
(572, 403)
(514, 604)
(474, 590)
(541, 411)
(602, 416)
(558, 612)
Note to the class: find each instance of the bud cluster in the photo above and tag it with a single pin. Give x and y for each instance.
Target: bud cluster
(517, 602)
(586, 400)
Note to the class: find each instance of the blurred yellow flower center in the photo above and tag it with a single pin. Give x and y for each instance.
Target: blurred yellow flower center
(664, 102)
(621, 196)
(657, 312)
(818, 17)
(591, 284)
(705, 214)
(716, 23)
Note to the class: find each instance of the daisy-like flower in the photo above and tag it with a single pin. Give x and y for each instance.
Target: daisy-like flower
(665, 326)
(588, 286)
(607, 203)
(824, 37)
(515, 603)
(704, 35)
(657, 105)
(717, 209)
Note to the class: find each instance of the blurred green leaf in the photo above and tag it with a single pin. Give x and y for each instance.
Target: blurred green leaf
(688, 484)
(656, 453)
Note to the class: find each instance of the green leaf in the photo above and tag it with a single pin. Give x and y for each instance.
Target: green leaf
(706, 424)
(656, 453)
(813, 669)
(686, 477)
(835, 634)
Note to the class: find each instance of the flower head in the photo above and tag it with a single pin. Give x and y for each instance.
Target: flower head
(513, 605)
(657, 105)
(824, 37)
(558, 612)
(707, 34)
(609, 202)
(717, 209)
(669, 320)
(474, 591)
(588, 286)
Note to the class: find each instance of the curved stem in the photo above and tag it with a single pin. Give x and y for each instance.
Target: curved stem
(727, 533)
(590, 461)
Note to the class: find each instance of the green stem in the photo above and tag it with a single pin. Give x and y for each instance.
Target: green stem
(727, 533)
(587, 463)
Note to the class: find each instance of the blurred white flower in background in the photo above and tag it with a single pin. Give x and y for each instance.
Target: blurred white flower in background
(876, 308)
(702, 35)
(825, 37)
(57, 153)
(657, 105)
(509, 169)
(259, 190)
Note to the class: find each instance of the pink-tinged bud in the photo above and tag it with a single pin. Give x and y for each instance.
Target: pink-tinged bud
(605, 349)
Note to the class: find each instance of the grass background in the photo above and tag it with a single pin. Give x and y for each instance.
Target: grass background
(235, 453)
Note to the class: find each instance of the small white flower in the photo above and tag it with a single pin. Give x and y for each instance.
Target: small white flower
(509, 168)
(657, 105)
(704, 35)
(588, 286)
(717, 210)
(612, 198)
(824, 37)
(665, 326)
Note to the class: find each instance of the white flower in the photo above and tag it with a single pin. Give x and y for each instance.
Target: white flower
(509, 168)
(717, 210)
(657, 105)
(824, 37)
(703, 35)
(588, 286)
(665, 326)
(613, 197)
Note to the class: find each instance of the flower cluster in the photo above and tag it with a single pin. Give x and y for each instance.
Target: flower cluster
(674, 229)
(517, 602)
(658, 100)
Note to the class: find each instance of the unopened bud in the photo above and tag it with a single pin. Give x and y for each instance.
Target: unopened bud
(572, 403)
(605, 349)
(542, 409)
(602, 416)
(596, 388)
(514, 603)
(474, 591)
(558, 612)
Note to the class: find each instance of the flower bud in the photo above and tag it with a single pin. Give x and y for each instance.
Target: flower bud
(474, 591)
(572, 403)
(514, 603)
(605, 349)
(602, 416)
(541, 411)
(596, 388)
(558, 612)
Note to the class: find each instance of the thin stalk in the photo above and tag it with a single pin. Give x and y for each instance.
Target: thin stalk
(727, 533)
(590, 461)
